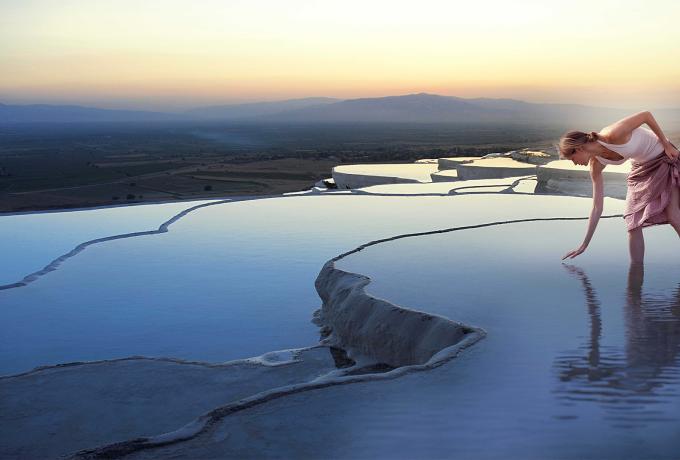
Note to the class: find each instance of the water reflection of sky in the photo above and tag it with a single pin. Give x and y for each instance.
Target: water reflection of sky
(29, 241)
(575, 353)
(587, 354)
(227, 281)
(633, 382)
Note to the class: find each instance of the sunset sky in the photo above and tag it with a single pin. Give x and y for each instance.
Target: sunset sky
(172, 54)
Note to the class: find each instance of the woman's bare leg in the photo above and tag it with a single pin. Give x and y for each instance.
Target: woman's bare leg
(636, 245)
(673, 209)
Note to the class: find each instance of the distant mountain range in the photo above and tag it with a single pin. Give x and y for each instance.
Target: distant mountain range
(45, 113)
(410, 108)
(257, 109)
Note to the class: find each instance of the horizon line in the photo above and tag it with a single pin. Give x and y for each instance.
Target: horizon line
(94, 106)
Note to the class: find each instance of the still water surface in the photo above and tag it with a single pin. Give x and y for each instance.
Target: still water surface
(581, 357)
(575, 354)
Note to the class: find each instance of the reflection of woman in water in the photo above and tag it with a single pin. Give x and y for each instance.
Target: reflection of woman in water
(621, 376)
(653, 195)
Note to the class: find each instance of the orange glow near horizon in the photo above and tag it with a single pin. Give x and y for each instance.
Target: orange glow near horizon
(175, 54)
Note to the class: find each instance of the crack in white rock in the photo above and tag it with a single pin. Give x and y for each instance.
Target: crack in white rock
(264, 359)
(454, 191)
(54, 264)
(205, 421)
(163, 228)
(336, 377)
(469, 335)
(464, 227)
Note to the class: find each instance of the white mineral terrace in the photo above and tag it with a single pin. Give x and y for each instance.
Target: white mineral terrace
(290, 402)
(558, 176)
(565, 176)
(454, 162)
(356, 176)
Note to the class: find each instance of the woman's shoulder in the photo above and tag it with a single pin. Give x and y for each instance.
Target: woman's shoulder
(609, 136)
(604, 134)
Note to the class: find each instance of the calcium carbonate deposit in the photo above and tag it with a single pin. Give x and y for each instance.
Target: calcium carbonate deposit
(415, 320)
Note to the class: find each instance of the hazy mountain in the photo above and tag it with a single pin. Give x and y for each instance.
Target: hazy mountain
(237, 111)
(410, 108)
(415, 108)
(44, 113)
(432, 108)
(558, 113)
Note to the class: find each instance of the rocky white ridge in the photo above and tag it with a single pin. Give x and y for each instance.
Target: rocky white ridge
(371, 330)
(362, 324)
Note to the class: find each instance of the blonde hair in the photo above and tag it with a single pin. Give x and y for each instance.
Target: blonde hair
(572, 139)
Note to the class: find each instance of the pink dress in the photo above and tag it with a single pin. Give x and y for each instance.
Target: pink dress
(650, 181)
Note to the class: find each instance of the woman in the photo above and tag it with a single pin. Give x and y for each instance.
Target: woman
(653, 195)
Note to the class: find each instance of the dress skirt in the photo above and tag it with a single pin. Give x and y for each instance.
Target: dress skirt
(649, 191)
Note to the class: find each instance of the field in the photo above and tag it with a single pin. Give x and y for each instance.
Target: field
(80, 165)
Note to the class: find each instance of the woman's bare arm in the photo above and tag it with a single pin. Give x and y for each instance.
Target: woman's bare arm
(622, 128)
(598, 199)
(651, 122)
(598, 206)
(596, 177)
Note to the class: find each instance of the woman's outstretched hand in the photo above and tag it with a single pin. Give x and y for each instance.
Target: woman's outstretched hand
(575, 252)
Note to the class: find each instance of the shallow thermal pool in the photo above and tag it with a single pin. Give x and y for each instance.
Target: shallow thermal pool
(226, 281)
(579, 361)
(575, 354)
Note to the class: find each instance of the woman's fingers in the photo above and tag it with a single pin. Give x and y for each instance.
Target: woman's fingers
(573, 253)
(672, 152)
